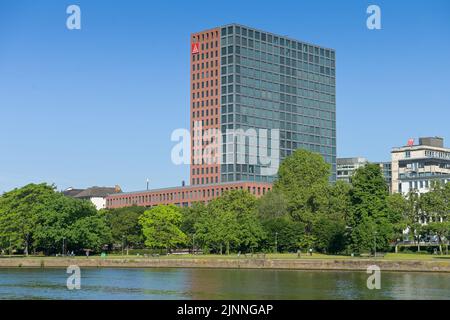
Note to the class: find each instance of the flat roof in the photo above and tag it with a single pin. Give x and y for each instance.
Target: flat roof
(264, 31)
(187, 187)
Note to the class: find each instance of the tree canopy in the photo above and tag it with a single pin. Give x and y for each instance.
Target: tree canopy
(161, 227)
(37, 217)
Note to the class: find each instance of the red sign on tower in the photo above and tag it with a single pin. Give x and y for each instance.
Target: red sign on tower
(194, 48)
(410, 142)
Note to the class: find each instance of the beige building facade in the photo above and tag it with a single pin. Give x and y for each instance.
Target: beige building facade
(417, 166)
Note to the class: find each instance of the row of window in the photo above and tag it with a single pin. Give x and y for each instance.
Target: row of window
(205, 103)
(300, 133)
(205, 36)
(205, 170)
(197, 75)
(276, 40)
(205, 65)
(260, 99)
(254, 116)
(420, 184)
(294, 113)
(290, 59)
(230, 177)
(437, 154)
(205, 180)
(310, 98)
(205, 94)
(273, 86)
(205, 112)
(204, 84)
(208, 122)
(180, 195)
(251, 92)
(272, 67)
(209, 45)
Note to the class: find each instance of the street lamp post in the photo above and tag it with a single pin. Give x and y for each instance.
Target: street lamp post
(123, 239)
(63, 246)
(276, 242)
(348, 233)
(375, 244)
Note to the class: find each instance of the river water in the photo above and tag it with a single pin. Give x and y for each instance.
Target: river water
(153, 283)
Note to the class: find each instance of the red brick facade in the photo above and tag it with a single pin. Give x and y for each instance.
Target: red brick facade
(205, 106)
(182, 196)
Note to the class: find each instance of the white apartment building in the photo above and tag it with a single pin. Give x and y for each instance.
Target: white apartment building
(416, 166)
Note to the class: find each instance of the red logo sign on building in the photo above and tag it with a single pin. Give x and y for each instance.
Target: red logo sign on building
(195, 48)
(410, 142)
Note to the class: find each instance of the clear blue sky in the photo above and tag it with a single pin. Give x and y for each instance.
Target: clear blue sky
(97, 106)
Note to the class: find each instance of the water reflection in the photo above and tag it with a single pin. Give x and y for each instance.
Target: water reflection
(219, 284)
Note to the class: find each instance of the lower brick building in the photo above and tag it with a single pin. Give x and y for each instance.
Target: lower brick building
(184, 195)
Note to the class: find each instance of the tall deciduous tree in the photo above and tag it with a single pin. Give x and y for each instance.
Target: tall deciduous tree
(124, 225)
(398, 213)
(231, 221)
(434, 205)
(370, 223)
(272, 205)
(303, 179)
(20, 210)
(36, 217)
(161, 227)
(54, 224)
(91, 232)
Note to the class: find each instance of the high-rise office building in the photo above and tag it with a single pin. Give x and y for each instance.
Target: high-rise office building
(255, 98)
(275, 94)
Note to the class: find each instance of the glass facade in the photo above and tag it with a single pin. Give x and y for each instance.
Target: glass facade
(273, 82)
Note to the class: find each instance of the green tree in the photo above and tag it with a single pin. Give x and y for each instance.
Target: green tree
(191, 215)
(231, 221)
(91, 232)
(54, 223)
(36, 217)
(369, 217)
(161, 227)
(216, 228)
(398, 214)
(329, 225)
(339, 200)
(329, 232)
(286, 232)
(20, 210)
(434, 206)
(414, 215)
(323, 209)
(272, 205)
(303, 178)
(124, 224)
